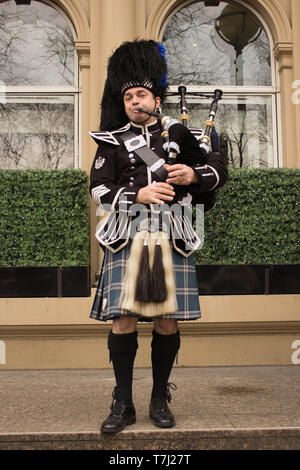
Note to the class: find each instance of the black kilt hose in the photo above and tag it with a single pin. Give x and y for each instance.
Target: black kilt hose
(119, 173)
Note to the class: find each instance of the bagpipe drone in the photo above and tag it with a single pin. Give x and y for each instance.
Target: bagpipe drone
(178, 136)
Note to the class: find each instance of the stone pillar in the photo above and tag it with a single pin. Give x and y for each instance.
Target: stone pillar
(283, 53)
(140, 19)
(112, 22)
(296, 77)
(118, 24)
(96, 72)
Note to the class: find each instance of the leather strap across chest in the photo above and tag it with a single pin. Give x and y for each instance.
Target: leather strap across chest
(134, 143)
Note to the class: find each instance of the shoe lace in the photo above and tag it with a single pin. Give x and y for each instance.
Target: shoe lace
(117, 405)
(168, 396)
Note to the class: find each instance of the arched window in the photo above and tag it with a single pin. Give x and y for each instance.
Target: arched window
(39, 81)
(222, 44)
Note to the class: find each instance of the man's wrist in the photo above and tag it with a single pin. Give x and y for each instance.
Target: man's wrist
(138, 196)
(195, 178)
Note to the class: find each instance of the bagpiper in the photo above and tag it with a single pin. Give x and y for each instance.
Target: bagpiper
(146, 232)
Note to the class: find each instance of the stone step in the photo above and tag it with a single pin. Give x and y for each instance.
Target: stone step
(232, 408)
(183, 441)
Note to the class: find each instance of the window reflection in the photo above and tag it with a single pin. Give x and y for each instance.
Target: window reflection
(244, 125)
(199, 54)
(37, 135)
(36, 46)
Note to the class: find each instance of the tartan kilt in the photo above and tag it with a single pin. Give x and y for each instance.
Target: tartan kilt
(106, 302)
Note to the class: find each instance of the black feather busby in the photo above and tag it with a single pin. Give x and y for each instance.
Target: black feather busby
(137, 63)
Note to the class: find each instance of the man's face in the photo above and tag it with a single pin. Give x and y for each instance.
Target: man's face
(139, 97)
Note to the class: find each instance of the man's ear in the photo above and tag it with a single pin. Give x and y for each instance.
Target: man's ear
(157, 102)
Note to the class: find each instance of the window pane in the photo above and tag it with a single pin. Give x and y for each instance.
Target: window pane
(36, 46)
(244, 125)
(37, 134)
(224, 45)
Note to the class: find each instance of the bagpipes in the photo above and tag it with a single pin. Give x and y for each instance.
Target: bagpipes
(178, 136)
(189, 146)
(149, 285)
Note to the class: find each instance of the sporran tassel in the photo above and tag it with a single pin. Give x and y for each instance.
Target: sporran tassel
(158, 282)
(143, 282)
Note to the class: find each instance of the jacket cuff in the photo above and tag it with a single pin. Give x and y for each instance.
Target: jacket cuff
(209, 178)
(124, 198)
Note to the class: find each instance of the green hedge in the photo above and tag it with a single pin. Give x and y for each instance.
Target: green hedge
(255, 219)
(44, 218)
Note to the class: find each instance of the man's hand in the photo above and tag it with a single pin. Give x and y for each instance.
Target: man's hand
(181, 174)
(155, 193)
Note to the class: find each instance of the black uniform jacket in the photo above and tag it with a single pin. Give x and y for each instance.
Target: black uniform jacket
(117, 174)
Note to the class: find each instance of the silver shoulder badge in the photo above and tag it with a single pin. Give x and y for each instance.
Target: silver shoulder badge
(99, 162)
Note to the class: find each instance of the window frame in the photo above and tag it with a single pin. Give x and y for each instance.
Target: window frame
(31, 92)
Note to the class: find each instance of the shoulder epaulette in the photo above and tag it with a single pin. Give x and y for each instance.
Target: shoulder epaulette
(108, 136)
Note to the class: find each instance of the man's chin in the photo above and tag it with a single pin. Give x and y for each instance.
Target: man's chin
(140, 118)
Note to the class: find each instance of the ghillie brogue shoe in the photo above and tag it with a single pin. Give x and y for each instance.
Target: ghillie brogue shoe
(159, 411)
(122, 414)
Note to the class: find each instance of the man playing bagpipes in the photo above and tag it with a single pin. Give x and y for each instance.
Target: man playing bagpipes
(148, 273)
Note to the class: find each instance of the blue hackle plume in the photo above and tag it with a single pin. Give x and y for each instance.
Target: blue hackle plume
(162, 50)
